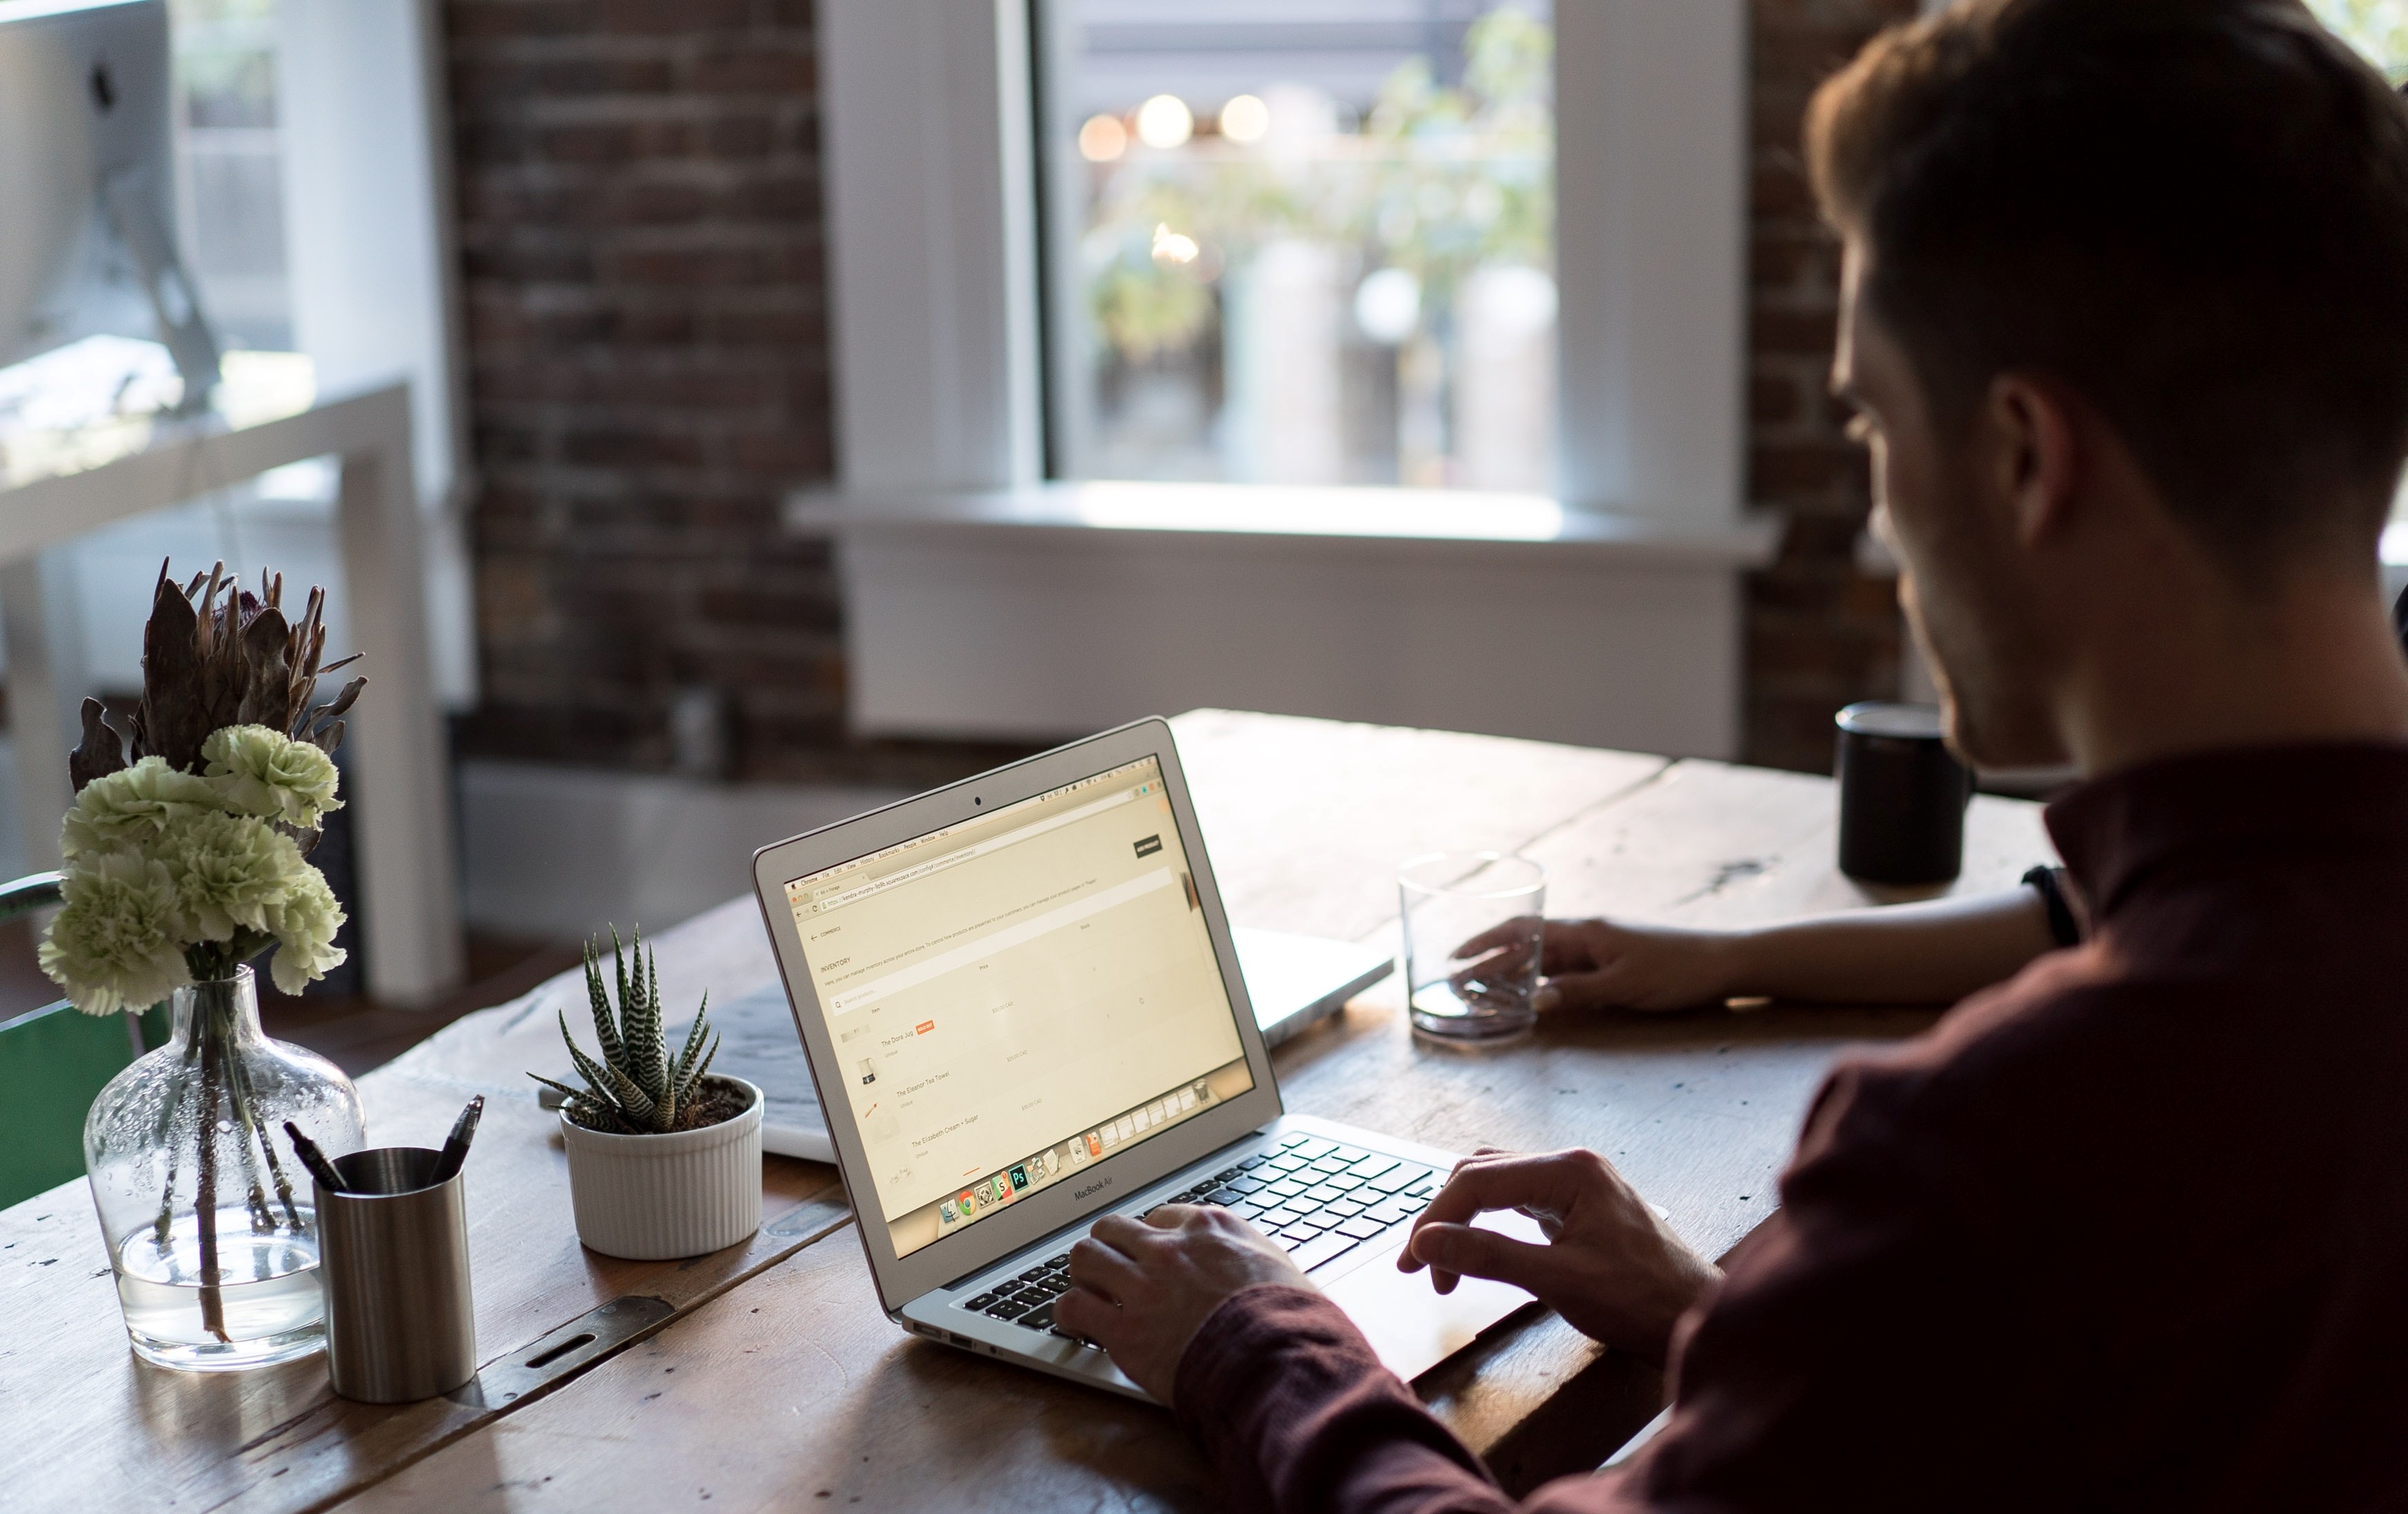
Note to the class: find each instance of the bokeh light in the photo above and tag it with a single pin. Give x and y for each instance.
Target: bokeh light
(1164, 121)
(1245, 119)
(1102, 138)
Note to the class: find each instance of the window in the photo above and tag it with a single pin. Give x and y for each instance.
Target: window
(1303, 242)
(229, 191)
(307, 213)
(2379, 29)
(230, 225)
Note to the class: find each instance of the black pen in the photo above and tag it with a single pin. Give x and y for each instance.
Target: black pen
(313, 1159)
(455, 1149)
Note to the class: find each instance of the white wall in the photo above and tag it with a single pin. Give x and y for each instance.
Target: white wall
(931, 213)
(1651, 232)
(366, 137)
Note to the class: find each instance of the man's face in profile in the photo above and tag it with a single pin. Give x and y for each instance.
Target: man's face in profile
(1941, 507)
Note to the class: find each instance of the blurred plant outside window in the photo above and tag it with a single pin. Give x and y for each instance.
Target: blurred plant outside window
(2379, 29)
(1307, 243)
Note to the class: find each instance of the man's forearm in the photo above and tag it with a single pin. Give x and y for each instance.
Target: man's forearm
(1934, 952)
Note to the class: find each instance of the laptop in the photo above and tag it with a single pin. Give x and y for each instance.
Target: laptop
(1023, 1009)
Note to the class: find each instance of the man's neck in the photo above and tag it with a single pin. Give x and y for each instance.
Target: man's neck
(2316, 662)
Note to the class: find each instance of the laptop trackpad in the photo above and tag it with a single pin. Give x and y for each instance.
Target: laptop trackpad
(1411, 1325)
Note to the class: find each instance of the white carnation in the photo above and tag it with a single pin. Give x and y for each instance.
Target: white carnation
(131, 806)
(304, 919)
(260, 771)
(118, 942)
(229, 870)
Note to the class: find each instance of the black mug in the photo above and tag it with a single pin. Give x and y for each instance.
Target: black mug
(1903, 795)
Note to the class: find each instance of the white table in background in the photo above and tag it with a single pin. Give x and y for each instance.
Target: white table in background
(402, 803)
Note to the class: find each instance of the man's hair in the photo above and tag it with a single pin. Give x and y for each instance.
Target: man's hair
(2192, 213)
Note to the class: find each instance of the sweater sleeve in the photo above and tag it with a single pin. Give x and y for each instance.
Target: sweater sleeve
(1298, 1414)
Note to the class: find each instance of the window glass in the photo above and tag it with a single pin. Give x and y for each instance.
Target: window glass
(2379, 29)
(230, 190)
(230, 224)
(1300, 241)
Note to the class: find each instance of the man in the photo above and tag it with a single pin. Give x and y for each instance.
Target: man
(2125, 321)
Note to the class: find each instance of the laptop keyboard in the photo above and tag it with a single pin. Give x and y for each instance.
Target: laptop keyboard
(1317, 1199)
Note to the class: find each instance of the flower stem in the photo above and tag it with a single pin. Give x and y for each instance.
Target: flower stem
(206, 1205)
(247, 1117)
(166, 1225)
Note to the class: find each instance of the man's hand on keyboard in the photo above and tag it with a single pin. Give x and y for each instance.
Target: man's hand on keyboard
(1613, 1269)
(1141, 1288)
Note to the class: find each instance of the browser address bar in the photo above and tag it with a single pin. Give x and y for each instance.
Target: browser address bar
(939, 864)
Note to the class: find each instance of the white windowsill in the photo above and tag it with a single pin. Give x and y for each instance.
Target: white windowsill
(1298, 515)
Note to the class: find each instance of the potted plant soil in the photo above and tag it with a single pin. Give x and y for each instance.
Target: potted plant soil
(664, 1156)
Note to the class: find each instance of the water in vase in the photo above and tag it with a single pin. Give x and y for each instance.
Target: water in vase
(267, 1307)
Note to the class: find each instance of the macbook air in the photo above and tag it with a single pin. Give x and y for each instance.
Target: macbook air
(1023, 1009)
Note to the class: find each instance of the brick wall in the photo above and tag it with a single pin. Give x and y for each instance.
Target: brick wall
(641, 229)
(638, 201)
(1818, 635)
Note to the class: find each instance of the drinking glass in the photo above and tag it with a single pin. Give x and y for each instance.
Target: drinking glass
(1471, 924)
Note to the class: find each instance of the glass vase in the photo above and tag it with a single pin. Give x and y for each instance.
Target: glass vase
(207, 1214)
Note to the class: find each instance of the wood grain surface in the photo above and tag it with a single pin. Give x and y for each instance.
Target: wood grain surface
(89, 1426)
(782, 1385)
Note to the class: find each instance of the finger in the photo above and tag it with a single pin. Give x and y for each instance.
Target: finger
(1597, 990)
(1553, 937)
(1097, 1267)
(1485, 1157)
(1089, 1315)
(1462, 1250)
(1506, 962)
(1172, 1216)
(1121, 1234)
(1503, 1181)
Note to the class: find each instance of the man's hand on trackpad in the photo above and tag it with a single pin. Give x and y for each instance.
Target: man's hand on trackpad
(1613, 1269)
(1141, 1288)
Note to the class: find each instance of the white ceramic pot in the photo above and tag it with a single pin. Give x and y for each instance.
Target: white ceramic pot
(651, 1198)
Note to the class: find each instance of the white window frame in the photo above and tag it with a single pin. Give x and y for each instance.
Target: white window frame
(933, 218)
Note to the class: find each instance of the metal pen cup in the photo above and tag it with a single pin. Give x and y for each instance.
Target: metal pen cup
(393, 1258)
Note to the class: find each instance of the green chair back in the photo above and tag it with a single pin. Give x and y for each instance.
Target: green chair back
(54, 1063)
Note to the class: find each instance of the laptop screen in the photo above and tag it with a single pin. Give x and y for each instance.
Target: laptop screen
(1017, 997)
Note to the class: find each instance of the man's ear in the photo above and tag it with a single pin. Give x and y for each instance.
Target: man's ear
(2035, 454)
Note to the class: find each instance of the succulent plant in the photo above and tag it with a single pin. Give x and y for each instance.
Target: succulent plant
(636, 1088)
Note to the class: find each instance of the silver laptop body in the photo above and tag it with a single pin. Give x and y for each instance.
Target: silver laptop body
(1023, 1011)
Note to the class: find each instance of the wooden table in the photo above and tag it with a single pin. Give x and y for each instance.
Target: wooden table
(765, 1375)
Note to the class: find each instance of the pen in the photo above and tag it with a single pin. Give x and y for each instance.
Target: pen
(313, 1159)
(455, 1148)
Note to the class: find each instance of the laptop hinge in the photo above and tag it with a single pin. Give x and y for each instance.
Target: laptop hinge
(948, 1286)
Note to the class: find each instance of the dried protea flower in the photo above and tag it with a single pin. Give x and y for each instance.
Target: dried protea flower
(215, 655)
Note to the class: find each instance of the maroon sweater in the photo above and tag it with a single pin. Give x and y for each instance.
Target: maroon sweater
(2128, 1232)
